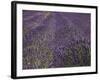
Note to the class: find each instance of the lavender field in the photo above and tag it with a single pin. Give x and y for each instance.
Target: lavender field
(56, 39)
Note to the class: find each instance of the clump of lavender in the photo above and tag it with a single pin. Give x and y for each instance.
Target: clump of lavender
(56, 39)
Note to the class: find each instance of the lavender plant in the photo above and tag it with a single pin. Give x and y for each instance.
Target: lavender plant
(56, 39)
